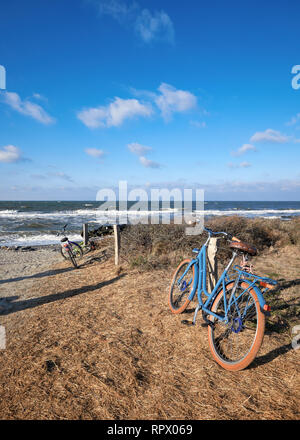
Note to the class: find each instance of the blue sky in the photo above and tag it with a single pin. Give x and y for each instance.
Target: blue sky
(158, 93)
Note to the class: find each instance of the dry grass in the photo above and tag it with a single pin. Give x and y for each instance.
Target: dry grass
(150, 247)
(101, 343)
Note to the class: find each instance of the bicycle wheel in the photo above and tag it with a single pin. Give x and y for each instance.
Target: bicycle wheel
(234, 345)
(73, 260)
(179, 292)
(76, 250)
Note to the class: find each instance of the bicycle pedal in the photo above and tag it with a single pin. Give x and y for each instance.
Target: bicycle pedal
(186, 322)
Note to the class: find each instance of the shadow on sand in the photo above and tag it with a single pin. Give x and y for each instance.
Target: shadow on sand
(10, 305)
(47, 273)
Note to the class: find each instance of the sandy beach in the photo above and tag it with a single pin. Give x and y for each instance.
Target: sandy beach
(18, 265)
(22, 267)
(99, 342)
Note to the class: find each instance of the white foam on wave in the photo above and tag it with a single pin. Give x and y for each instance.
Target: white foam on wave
(94, 213)
(8, 212)
(35, 240)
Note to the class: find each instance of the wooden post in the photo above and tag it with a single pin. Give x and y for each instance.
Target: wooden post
(117, 243)
(212, 266)
(85, 231)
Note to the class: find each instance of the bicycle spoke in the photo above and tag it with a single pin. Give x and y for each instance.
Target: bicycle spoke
(178, 299)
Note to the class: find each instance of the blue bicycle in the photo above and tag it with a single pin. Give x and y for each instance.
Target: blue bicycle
(234, 311)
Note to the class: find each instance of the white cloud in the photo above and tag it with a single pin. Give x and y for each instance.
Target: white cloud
(27, 108)
(138, 149)
(198, 124)
(269, 135)
(39, 97)
(169, 101)
(294, 120)
(61, 175)
(114, 114)
(93, 117)
(148, 163)
(243, 149)
(149, 26)
(10, 154)
(156, 26)
(146, 94)
(233, 189)
(38, 176)
(117, 9)
(122, 109)
(239, 165)
(173, 100)
(94, 152)
(141, 151)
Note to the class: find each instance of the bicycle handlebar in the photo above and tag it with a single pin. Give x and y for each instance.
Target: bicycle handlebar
(210, 232)
(229, 236)
(63, 230)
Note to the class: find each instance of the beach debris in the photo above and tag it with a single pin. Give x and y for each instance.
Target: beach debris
(18, 248)
(22, 248)
(27, 248)
(104, 230)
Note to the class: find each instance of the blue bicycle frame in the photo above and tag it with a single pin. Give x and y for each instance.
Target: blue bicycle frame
(199, 284)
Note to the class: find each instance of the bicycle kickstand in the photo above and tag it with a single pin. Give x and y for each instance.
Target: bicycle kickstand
(188, 322)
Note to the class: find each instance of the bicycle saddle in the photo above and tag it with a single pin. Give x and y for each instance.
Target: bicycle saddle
(243, 247)
(64, 239)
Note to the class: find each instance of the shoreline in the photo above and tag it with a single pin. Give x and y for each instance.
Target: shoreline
(36, 223)
(29, 244)
(152, 242)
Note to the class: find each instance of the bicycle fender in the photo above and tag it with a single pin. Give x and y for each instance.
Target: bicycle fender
(195, 282)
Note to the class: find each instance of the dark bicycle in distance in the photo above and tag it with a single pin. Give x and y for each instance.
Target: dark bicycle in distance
(70, 250)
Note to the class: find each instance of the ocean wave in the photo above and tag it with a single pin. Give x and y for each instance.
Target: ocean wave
(8, 212)
(82, 213)
(114, 215)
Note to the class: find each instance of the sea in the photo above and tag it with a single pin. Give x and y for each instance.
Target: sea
(41, 222)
